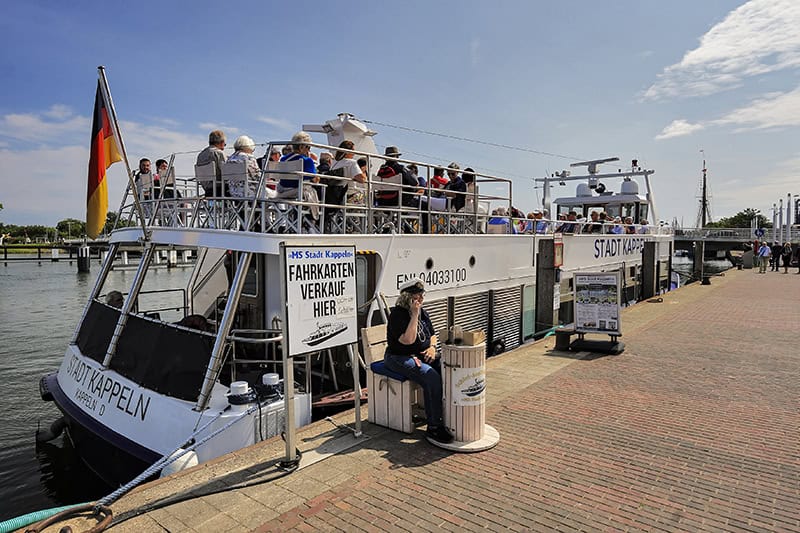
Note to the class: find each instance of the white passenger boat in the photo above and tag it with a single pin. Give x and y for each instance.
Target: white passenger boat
(139, 381)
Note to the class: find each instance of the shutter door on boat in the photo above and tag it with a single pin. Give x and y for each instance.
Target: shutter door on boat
(472, 311)
(507, 316)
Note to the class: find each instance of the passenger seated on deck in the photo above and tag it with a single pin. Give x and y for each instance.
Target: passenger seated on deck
(115, 299)
(629, 227)
(438, 181)
(244, 186)
(596, 226)
(644, 228)
(616, 227)
(456, 188)
(391, 168)
(198, 322)
(213, 154)
(411, 352)
(287, 186)
(350, 170)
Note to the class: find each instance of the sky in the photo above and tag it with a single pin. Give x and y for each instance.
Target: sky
(667, 83)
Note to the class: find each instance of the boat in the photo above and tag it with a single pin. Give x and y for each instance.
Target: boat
(157, 374)
(324, 332)
(475, 389)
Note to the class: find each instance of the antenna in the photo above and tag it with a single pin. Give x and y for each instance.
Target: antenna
(592, 165)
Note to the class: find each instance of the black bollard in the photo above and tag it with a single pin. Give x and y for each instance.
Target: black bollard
(84, 259)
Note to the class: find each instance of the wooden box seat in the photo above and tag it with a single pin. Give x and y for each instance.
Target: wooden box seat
(391, 395)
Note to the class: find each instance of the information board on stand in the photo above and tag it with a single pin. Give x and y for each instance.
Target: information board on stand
(597, 302)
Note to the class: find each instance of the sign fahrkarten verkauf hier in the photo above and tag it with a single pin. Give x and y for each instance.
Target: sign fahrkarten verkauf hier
(320, 289)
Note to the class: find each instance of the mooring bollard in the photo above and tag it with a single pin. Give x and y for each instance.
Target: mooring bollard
(84, 258)
(54, 255)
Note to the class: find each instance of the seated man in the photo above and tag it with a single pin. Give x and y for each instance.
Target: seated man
(213, 154)
(456, 188)
(411, 352)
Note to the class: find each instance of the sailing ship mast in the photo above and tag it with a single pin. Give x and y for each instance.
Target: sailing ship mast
(704, 216)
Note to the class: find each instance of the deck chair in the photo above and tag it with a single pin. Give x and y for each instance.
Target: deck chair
(207, 211)
(234, 174)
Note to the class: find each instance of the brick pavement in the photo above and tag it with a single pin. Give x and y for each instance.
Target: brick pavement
(694, 427)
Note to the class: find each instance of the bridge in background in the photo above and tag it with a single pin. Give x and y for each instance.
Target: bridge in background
(721, 242)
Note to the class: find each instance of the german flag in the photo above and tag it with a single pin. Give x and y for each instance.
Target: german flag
(104, 152)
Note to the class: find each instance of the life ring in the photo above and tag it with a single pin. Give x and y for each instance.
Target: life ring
(498, 347)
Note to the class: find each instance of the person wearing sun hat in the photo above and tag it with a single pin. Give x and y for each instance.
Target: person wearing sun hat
(411, 352)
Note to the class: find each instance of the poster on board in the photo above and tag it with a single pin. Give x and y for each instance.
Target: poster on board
(320, 284)
(597, 302)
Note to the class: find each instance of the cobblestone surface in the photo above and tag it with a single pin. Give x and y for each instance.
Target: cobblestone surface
(694, 427)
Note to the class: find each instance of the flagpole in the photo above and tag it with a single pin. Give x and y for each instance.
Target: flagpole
(101, 71)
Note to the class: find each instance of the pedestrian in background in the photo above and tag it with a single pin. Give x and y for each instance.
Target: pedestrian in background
(763, 255)
(786, 255)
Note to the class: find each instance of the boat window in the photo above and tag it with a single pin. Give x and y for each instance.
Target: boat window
(250, 287)
(528, 312)
(642, 212)
(361, 280)
(612, 210)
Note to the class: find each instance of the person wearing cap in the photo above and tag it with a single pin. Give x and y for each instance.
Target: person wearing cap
(287, 187)
(244, 185)
(391, 168)
(456, 188)
(411, 352)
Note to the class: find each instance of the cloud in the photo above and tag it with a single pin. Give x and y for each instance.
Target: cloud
(58, 112)
(47, 183)
(756, 38)
(209, 126)
(678, 128)
(770, 111)
(474, 49)
(54, 124)
(279, 123)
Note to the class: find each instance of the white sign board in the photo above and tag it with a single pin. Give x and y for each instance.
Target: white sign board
(469, 386)
(320, 284)
(597, 308)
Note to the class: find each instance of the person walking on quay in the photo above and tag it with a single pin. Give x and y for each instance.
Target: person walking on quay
(786, 255)
(763, 257)
(777, 249)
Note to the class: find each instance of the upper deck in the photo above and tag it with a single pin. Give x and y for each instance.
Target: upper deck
(266, 198)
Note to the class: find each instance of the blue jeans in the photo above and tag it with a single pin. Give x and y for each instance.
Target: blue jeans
(428, 377)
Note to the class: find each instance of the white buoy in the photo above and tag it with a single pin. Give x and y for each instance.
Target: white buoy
(187, 460)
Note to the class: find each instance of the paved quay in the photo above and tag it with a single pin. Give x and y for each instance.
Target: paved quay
(696, 426)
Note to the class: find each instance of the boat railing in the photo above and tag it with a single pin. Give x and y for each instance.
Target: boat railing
(260, 348)
(419, 209)
(528, 226)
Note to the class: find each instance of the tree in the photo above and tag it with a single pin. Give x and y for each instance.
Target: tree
(113, 223)
(71, 228)
(742, 220)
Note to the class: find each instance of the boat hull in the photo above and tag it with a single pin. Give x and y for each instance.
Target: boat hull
(112, 457)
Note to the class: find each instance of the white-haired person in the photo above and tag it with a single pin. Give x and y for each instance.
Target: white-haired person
(411, 352)
(242, 186)
(287, 186)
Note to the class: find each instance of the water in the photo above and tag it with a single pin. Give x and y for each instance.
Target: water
(683, 266)
(40, 306)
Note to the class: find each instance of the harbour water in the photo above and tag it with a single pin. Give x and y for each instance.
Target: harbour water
(683, 266)
(40, 306)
